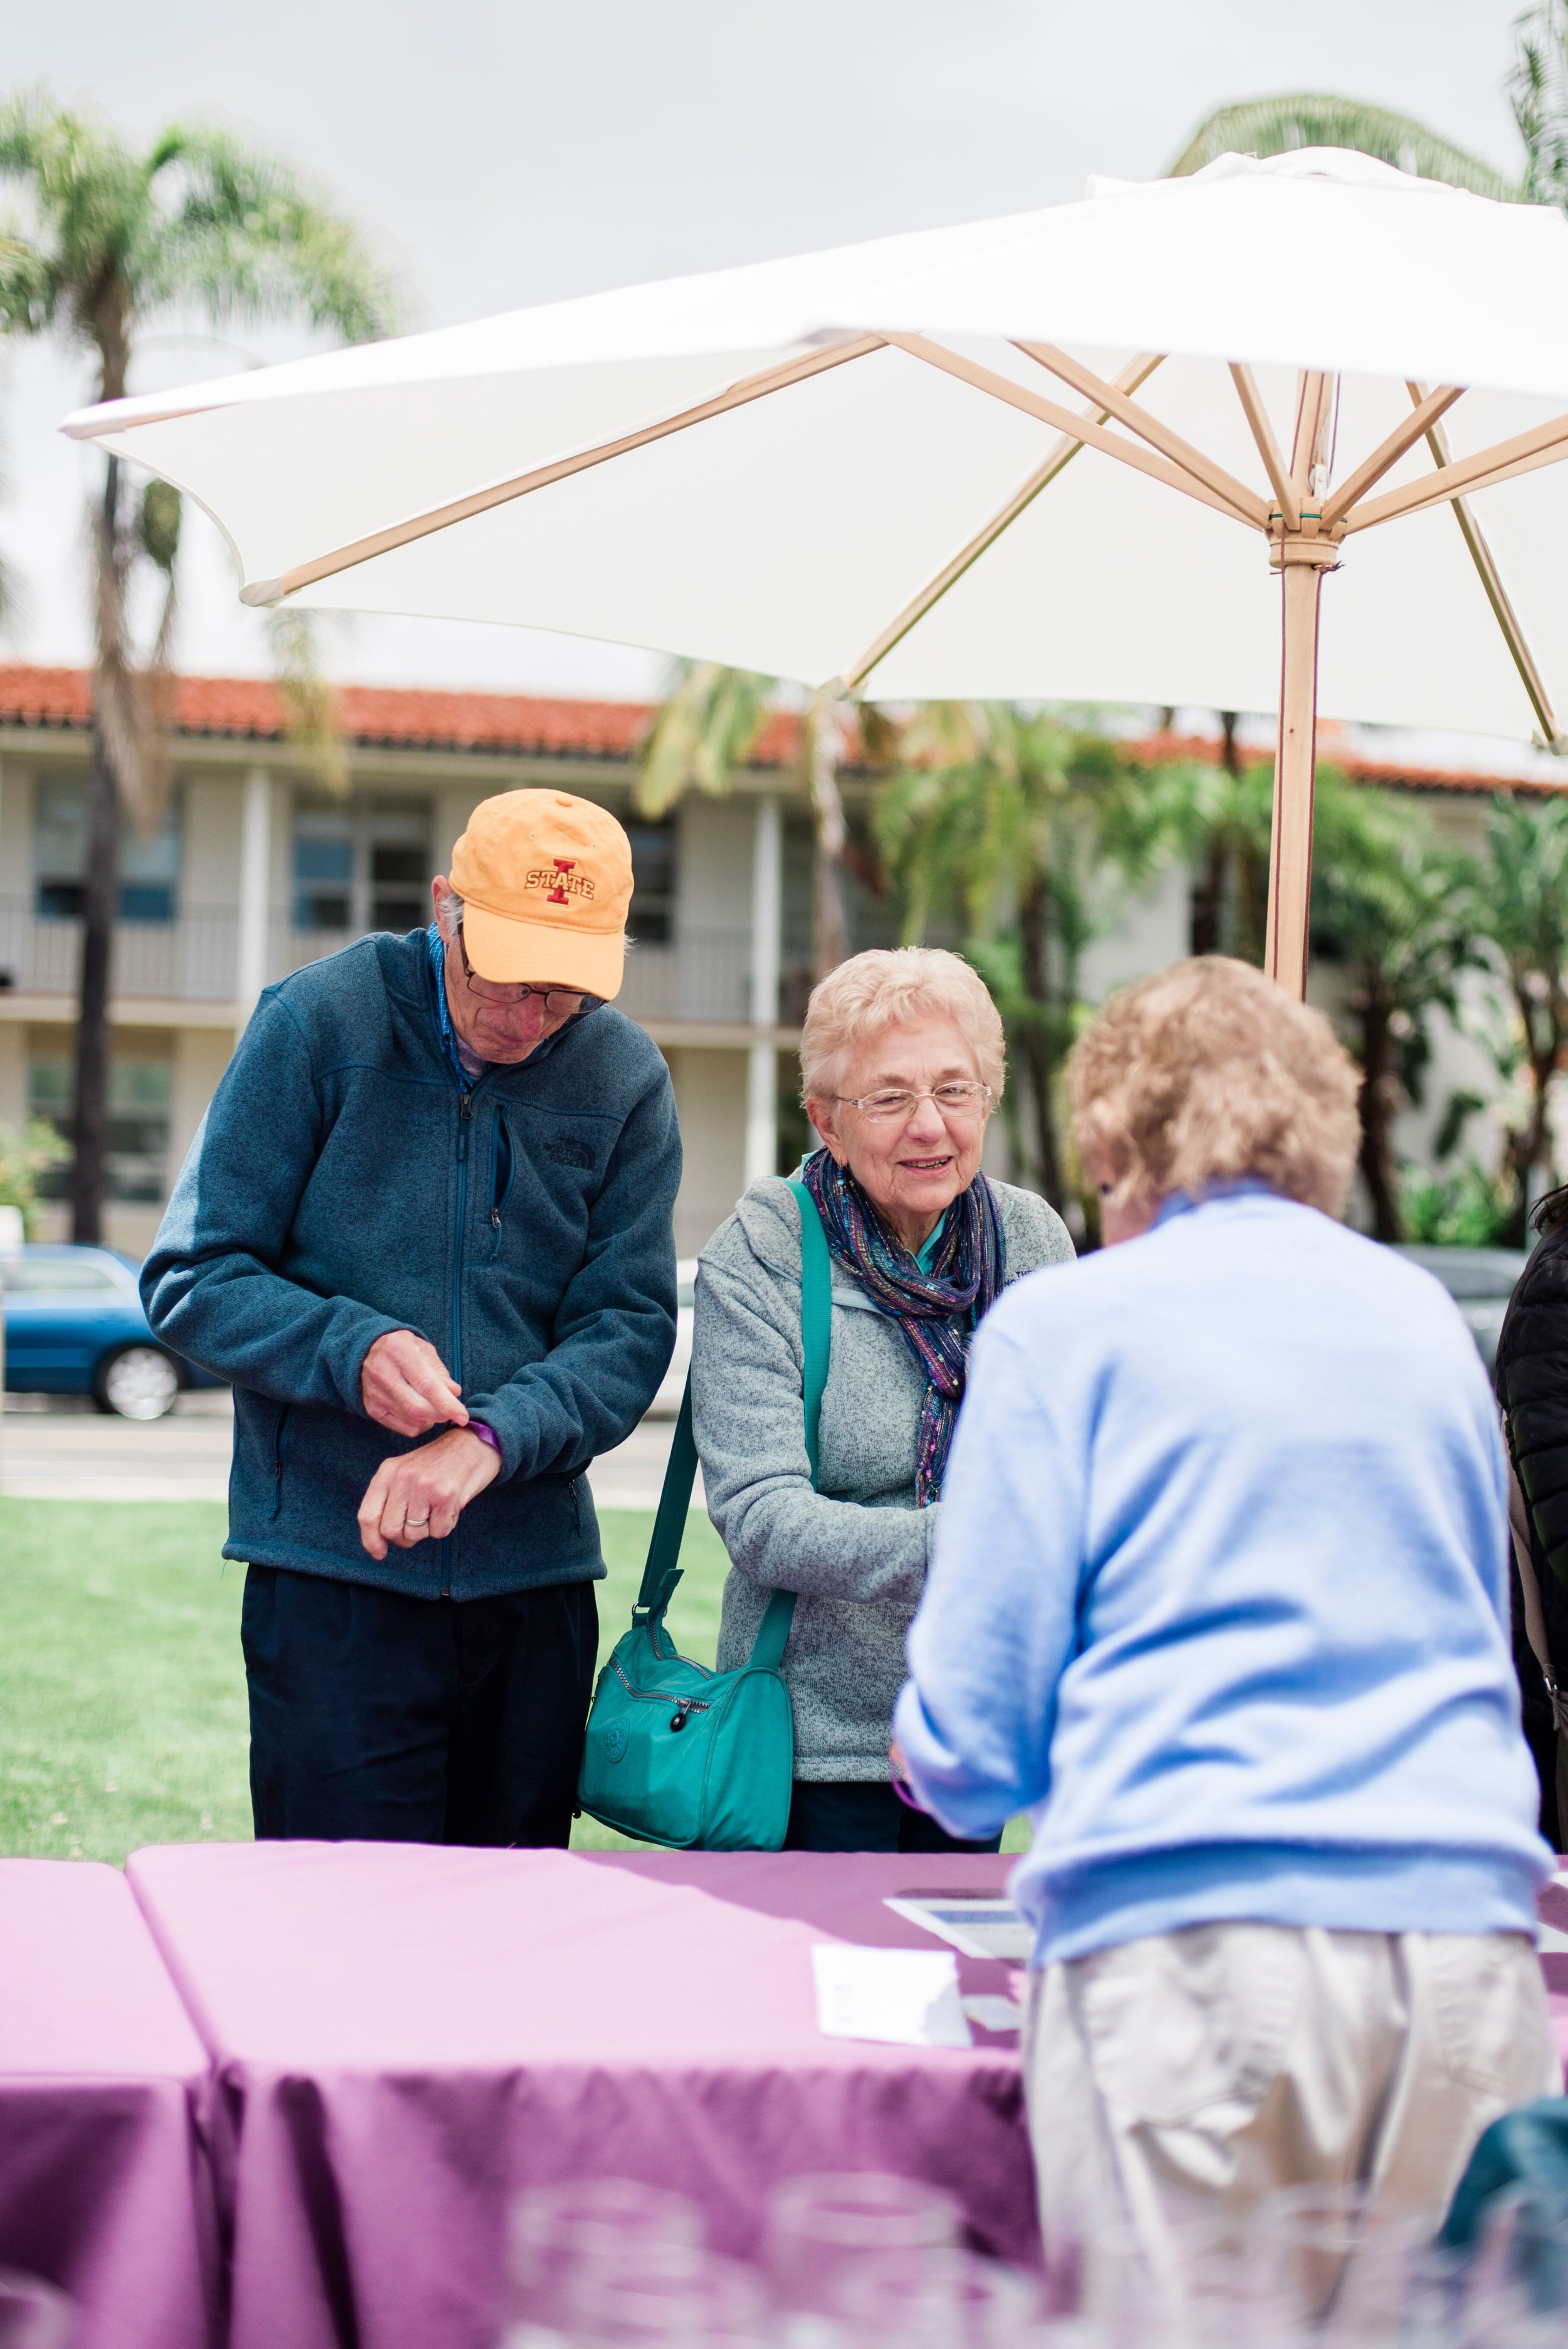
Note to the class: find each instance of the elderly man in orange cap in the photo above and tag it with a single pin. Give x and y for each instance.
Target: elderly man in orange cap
(426, 1231)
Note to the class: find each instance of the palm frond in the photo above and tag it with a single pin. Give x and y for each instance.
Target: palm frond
(707, 728)
(244, 233)
(310, 703)
(1278, 126)
(1538, 94)
(29, 286)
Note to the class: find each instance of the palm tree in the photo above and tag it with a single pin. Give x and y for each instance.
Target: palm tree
(707, 727)
(1276, 126)
(1010, 822)
(115, 236)
(1218, 817)
(1390, 906)
(1520, 908)
(1537, 94)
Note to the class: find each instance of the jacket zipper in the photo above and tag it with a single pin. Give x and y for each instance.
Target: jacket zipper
(503, 1172)
(465, 1123)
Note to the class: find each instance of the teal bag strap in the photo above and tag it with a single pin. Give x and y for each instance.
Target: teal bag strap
(816, 1313)
(663, 1570)
(815, 1344)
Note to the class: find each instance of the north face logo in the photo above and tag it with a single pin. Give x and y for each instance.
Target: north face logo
(567, 1150)
(560, 880)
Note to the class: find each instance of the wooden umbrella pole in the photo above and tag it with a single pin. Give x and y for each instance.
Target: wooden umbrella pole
(1301, 551)
(1295, 763)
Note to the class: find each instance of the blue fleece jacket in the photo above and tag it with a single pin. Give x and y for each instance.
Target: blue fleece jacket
(1219, 1594)
(350, 1179)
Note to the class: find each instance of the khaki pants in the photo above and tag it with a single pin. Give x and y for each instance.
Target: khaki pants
(1186, 2076)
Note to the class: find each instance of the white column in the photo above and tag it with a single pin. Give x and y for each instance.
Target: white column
(767, 955)
(255, 893)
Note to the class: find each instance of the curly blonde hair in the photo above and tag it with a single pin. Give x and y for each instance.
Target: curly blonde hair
(1209, 1071)
(884, 987)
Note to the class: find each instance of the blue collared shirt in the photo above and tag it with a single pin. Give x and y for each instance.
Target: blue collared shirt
(436, 946)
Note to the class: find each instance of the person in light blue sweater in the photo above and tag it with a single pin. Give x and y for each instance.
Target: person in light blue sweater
(1219, 1599)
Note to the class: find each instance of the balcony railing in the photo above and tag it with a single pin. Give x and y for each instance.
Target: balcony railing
(195, 960)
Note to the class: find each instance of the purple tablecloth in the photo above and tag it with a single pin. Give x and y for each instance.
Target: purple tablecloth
(102, 2086)
(404, 2036)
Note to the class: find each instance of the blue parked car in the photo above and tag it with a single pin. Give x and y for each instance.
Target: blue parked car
(74, 1325)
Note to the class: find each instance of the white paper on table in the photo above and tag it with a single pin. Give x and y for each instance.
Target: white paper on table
(989, 1927)
(994, 2012)
(906, 1998)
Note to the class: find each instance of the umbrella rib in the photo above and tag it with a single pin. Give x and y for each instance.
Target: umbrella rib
(1496, 595)
(1061, 456)
(1387, 453)
(1080, 428)
(1544, 444)
(1315, 397)
(1267, 446)
(383, 541)
(1160, 436)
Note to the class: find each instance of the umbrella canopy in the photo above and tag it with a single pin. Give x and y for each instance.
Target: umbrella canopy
(1049, 457)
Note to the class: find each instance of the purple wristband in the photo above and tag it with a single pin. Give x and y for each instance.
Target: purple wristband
(486, 1434)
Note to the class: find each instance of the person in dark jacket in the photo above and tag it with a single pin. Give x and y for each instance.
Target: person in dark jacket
(1532, 1389)
(425, 1230)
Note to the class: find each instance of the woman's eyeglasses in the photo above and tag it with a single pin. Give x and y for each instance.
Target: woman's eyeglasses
(963, 1098)
(559, 1002)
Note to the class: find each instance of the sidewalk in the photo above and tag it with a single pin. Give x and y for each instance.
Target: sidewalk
(59, 1448)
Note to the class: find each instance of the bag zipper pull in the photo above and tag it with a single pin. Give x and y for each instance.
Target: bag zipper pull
(678, 1718)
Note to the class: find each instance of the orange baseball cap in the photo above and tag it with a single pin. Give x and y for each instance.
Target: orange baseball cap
(546, 882)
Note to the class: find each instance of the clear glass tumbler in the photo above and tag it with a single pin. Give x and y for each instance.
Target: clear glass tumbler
(940, 2298)
(33, 2314)
(822, 2230)
(670, 2296)
(1334, 2263)
(561, 2234)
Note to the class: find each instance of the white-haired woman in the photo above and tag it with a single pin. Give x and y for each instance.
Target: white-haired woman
(902, 1065)
(1220, 1596)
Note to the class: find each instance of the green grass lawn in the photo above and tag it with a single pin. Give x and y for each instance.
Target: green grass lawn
(122, 1695)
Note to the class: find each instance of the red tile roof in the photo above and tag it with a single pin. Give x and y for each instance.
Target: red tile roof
(251, 709)
(1164, 750)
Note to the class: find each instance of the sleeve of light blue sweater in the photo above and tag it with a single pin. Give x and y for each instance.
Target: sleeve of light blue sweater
(996, 1626)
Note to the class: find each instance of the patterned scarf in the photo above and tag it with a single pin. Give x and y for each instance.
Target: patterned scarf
(936, 1312)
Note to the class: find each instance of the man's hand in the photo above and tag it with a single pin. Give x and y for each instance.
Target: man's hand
(420, 1496)
(404, 1385)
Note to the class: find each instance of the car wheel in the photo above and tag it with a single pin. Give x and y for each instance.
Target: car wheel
(139, 1382)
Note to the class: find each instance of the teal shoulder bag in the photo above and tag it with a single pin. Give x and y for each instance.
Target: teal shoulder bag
(674, 1753)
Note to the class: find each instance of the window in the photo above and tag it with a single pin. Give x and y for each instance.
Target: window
(366, 866)
(140, 1095)
(148, 865)
(324, 873)
(653, 920)
(35, 1275)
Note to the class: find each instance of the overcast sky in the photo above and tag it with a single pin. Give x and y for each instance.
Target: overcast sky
(500, 152)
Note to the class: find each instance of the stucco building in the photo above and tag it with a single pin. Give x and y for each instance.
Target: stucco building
(256, 870)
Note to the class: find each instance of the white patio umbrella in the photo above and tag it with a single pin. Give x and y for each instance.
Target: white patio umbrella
(857, 468)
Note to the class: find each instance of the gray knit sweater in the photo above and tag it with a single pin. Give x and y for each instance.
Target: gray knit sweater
(855, 1551)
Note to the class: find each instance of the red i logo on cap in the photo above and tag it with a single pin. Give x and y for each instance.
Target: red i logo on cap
(558, 895)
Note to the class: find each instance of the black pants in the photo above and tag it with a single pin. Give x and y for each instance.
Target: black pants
(865, 1815)
(380, 1718)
